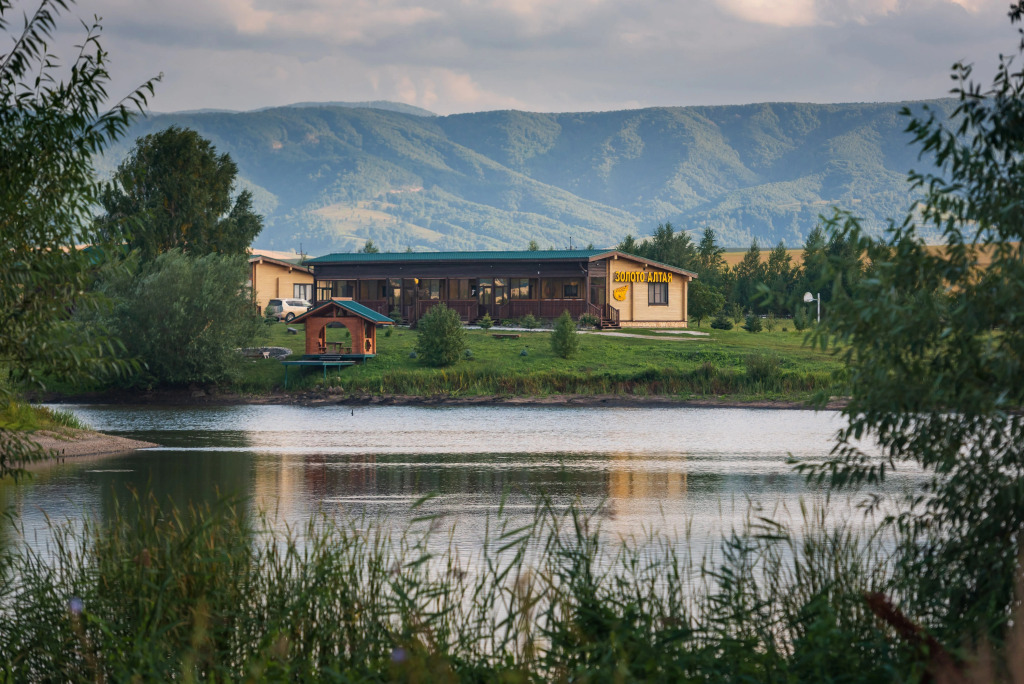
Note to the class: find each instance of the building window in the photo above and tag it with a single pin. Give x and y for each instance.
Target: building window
(561, 288)
(429, 288)
(657, 294)
(302, 291)
(522, 288)
(372, 290)
(462, 288)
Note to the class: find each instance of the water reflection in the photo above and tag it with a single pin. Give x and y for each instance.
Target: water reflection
(648, 467)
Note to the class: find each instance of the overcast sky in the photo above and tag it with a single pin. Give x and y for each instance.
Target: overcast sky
(543, 55)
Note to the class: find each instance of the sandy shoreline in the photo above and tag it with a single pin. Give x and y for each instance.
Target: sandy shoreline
(79, 443)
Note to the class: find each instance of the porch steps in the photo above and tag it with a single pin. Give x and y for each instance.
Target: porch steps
(608, 324)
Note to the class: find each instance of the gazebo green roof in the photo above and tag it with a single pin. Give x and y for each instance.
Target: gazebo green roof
(350, 306)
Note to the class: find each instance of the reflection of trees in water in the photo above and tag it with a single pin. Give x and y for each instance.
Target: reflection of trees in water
(184, 478)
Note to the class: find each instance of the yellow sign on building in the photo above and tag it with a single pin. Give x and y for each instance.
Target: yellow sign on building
(642, 277)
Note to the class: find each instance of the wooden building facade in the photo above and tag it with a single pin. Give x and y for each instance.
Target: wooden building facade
(618, 289)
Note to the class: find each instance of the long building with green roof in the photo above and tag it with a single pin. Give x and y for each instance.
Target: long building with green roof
(618, 289)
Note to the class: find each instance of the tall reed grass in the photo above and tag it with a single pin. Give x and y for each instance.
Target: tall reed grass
(160, 593)
(706, 379)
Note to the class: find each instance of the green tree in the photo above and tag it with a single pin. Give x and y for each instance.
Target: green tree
(565, 339)
(703, 301)
(750, 276)
(369, 248)
(440, 337)
(52, 124)
(934, 342)
(629, 245)
(752, 324)
(711, 266)
(174, 191)
(533, 246)
(185, 317)
(780, 279)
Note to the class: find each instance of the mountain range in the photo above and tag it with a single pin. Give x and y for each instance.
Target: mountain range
(329, 176)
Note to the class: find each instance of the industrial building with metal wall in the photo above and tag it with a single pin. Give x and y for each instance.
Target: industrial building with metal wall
(616, 288)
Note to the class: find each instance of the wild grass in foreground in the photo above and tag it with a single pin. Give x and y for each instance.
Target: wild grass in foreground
(210, 594)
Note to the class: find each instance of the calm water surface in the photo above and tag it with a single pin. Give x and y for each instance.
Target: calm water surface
(662, 468)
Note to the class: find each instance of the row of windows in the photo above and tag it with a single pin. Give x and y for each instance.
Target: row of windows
(485, 290)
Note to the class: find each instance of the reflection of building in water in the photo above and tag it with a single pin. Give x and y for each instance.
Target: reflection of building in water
(635, 481)
(277, 487)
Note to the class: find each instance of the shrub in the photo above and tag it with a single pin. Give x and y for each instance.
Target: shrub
(763, 367)
(722, 321)
(770, 322)
(486, 322)
(396, 315)
(590, 320)
(565, 341)
(184, 317)
(440, 338)
(753, 323)
(529, 321)
(800, 318)
(735, 312)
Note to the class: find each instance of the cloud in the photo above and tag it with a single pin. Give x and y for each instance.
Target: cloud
(465, 55)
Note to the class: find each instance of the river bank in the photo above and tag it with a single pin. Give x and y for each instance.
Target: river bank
(335, 396)
(77, 443)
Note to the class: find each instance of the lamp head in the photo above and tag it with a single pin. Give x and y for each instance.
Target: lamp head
(808, 297)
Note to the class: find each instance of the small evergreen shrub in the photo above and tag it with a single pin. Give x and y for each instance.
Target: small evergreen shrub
(753, 323)
(396, 315)
(589, 320)
(486, 322)
(440, 337)
(529, 321)
(800, 318)
(722, 321)
(565, 340)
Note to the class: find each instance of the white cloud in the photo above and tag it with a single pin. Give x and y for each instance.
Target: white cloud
(465, 55)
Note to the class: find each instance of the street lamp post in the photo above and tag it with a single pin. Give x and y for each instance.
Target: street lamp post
(808, 297)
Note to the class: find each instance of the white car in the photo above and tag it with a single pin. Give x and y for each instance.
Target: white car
(286, 309)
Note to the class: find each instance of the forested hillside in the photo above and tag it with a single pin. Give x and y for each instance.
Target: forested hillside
(330, 177)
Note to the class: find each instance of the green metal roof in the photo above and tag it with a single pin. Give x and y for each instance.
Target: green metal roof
(364, 311)
(350, 306)
(525, 255)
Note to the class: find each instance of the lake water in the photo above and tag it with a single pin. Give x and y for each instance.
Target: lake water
(670, 469)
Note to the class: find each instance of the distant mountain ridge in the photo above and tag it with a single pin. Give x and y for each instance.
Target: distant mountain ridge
(329, 176)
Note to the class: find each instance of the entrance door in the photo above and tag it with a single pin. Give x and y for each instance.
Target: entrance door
(485, 296)
(598, 294)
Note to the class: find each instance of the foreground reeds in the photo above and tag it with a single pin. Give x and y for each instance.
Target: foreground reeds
(161, 593)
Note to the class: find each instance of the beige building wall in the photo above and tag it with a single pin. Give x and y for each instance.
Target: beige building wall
(273, 280)
(635, 311)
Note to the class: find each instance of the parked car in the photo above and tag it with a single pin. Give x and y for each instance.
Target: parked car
(286, 309)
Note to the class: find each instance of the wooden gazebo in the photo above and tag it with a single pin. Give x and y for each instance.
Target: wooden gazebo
(360, 321)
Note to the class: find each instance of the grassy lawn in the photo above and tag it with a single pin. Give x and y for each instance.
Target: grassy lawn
(734, 364)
